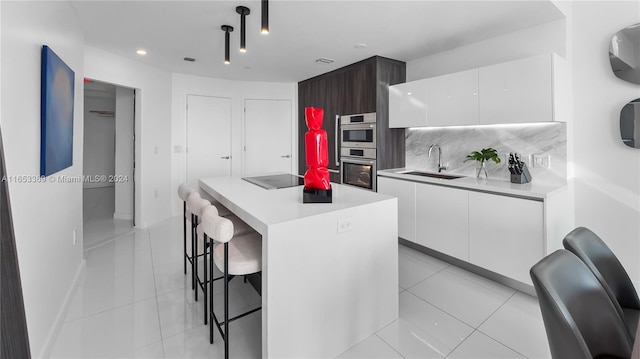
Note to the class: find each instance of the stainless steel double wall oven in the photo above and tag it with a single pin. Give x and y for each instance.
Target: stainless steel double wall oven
(358, 150)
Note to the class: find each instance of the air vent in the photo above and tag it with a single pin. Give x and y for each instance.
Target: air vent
(190, 59)
(324, 60)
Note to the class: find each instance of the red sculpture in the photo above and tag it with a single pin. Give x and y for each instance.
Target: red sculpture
(316, 179)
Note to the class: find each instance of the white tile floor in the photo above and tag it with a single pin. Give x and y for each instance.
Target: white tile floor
(135, 302)
(98, 206)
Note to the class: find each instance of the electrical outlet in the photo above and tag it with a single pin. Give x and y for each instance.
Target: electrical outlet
(75, 236)
(345, 225)
(541, 161)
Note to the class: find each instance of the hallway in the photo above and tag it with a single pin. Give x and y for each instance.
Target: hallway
(99, 225)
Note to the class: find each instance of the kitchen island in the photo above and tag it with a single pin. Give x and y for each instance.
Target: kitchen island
(329, 270)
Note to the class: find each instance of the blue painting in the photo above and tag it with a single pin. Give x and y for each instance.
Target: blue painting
(56, 114)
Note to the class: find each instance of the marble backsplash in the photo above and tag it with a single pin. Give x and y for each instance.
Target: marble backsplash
(547, 139)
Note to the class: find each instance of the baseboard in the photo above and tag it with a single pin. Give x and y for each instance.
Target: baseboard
(120, 215)
(509, 282)
(62, 313)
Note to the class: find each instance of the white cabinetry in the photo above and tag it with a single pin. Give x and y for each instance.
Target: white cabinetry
(453, 99)
(506, 234)
(520, 91)
(499, 232)
(405, 191)
(408, 104)
(445, 100)
(442, 219)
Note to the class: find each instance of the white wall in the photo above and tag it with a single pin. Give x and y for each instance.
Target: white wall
(536, 40)
(153, 189)
(238, 91)
(603, 172)
(607, 173)
(124, 153)
(44, 214)
(99, 140)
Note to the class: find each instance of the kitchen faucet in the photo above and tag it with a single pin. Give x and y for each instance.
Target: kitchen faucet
(440, 166)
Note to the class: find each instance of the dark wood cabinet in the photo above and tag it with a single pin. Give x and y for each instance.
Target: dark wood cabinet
(358, 88)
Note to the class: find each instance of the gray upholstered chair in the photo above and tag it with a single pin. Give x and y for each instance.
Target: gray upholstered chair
(580, 319)
(592, 250)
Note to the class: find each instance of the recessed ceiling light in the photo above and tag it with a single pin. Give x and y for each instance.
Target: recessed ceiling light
(324, 60)
(360, 46)
(141, 52)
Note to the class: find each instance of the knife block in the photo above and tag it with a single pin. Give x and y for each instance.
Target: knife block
(524, 177)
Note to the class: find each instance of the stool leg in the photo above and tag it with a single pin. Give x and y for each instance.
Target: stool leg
(204, 285)
(211, 294)
(184, 234)
(193, 234)
(195, 261)
(226, 300)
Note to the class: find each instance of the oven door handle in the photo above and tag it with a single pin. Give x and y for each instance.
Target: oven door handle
(337, 155)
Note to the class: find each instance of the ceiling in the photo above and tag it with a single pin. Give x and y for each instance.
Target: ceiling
(301, 31)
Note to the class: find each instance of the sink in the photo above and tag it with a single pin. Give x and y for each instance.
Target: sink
(432, 175)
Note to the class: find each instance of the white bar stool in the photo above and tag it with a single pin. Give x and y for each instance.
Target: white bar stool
(239, 228)
(234, 256)
(195, 204)
(184, 190)
(223, 211)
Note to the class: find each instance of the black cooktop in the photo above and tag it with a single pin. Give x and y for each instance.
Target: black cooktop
(276, 181)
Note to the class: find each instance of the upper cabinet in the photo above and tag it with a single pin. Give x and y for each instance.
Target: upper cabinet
(453, 99)
(408, 104)
(521, 91)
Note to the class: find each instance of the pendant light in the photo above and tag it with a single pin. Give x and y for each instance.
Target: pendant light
(243, 11)
(227, 29)
(265, 17)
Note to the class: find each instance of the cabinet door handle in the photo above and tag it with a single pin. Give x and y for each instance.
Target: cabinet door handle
(225, 157)
(287, 156)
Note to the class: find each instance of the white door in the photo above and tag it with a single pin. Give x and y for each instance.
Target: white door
(208, 137)
(267, 137)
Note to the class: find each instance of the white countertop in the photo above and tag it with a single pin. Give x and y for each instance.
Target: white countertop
(530, 190)
(260, 207)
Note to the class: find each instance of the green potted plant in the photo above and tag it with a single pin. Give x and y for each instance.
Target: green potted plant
(482, 157)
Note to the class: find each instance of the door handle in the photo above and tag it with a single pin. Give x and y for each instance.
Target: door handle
(287, 156)
(225, 157)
